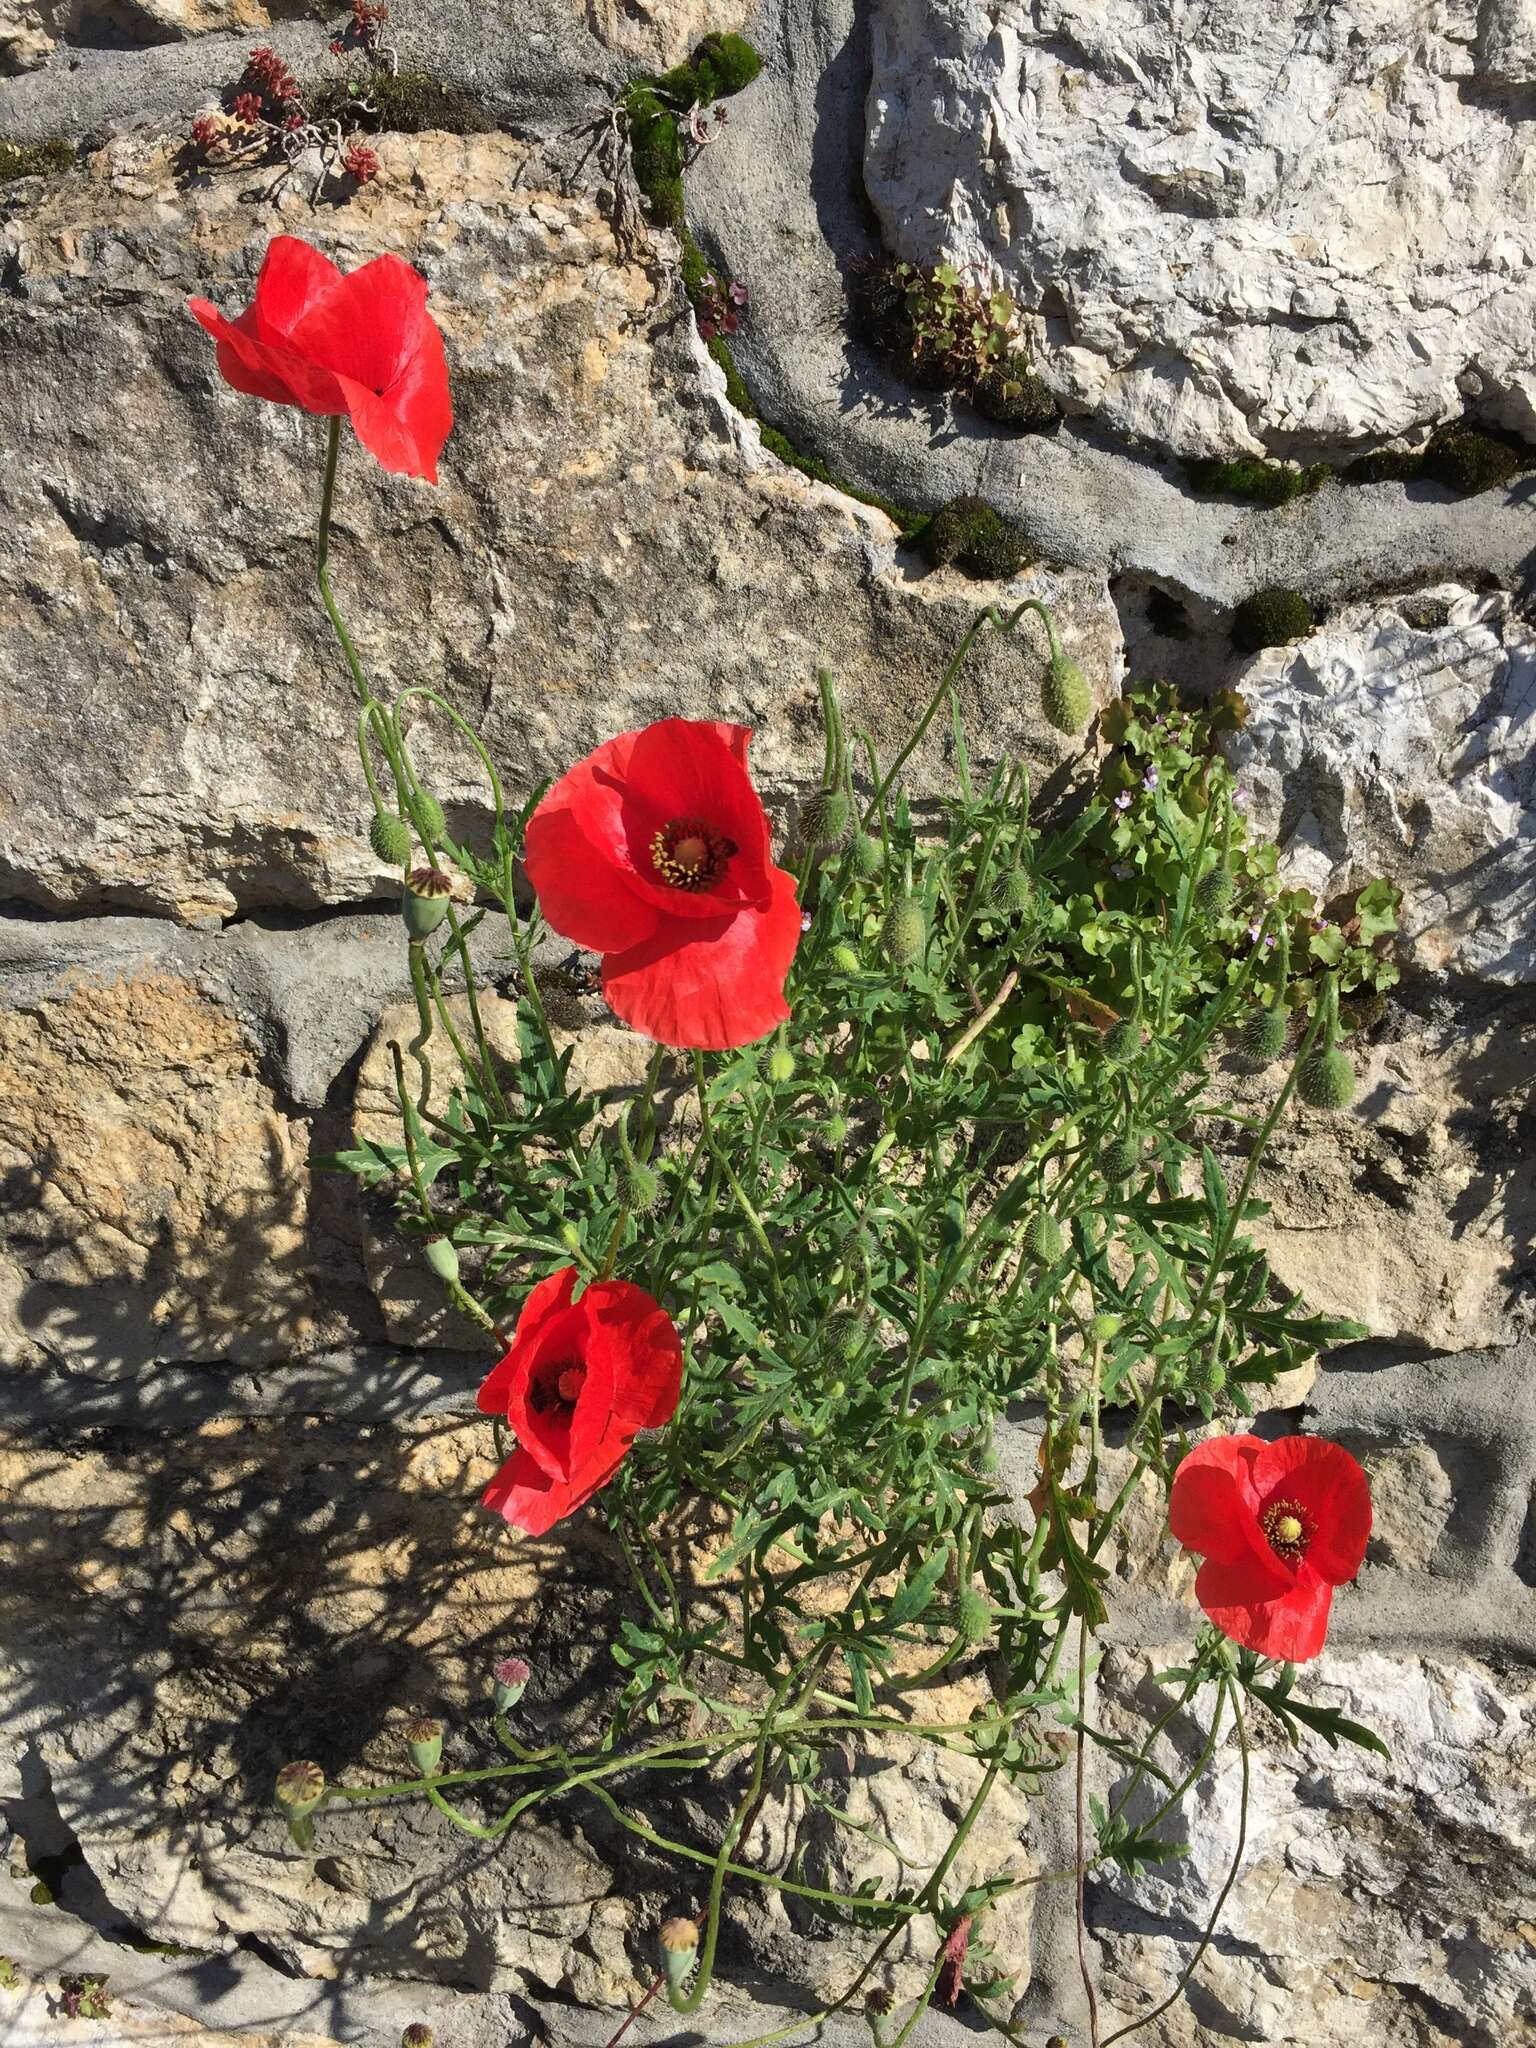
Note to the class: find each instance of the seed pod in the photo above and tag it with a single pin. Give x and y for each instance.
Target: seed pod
(845, 959)
(868, 855)
(905, 931)
(679, 1947)
(424, 1740)
(390, 838)
(1017, 893)
(973, 1616)
(441, 1257)
(1206, 1380)
(843, 1335)
(780, 1064)
(824, 819)
(424, 904)
(509, 1677)
(1064, 695)
(1045, 1238)
(430, 812)
(1325, 1079)
(299, 1789)
(1214, 893)
(417, 2035)
(1122, 1041)
(1104, 1327)
(835, 1129)
(1262, 1038)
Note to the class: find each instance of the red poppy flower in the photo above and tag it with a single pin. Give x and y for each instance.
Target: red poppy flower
(656, 853)
(1279, 1526)
(580, 1379)
(364, 345)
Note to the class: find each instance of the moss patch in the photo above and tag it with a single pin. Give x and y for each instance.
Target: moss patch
(976, 538)
(1260, 483)
(1462, 459)
(719, 67)
(1270, 618)
(35, 159)
(410, 103)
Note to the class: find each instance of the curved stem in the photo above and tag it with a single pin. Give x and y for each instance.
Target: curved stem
(322, 561)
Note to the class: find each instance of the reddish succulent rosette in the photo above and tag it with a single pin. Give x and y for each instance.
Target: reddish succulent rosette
(363, 345)
(581, 1378)
(656, 853)
(1279, 1526)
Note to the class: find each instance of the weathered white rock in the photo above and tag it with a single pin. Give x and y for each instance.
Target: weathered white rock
(30, 30)
(1380, 1902)
(1400, 740)
(1234, 230)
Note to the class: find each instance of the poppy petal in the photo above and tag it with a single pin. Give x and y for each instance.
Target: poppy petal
(548, 1299)
(1293, 1627)
(1207, 1508)
(366, 326)
(634, 1362)
(1324, 1479)
(525, 1495)
(710, 987)
(582, 894)
(263, 370)
(293, 277)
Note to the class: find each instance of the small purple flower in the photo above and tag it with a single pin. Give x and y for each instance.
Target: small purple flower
(1319, 924)
(739, 294)
(1269, 942)
(1253, 934)
(1123, 800)
(1149, 780)
(805, 920)
(1240, 798)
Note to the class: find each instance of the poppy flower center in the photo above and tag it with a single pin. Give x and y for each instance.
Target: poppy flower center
(1289, 1528)
(558, 1386)
(688, 855)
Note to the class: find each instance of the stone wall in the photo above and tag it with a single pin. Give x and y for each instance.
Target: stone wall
(236, 1447)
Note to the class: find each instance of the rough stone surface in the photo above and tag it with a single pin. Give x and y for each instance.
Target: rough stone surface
(1377, 1902)
(1234, 235)
(599, 552)
(656, 33)
(1400, 740)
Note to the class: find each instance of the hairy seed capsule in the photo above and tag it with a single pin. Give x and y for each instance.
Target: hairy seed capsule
(973, 1616)
(424, 904)
(1064, 695)
(780, 1064)
(845, 960)
(1104, 1327)
(868, 855)
(842, 1336)
(1326, 1080)
(824, 819)
(1045, 1239)
(835, 1129)
(639, 1189)
(1018, 892)
(430, 812)
(1262, 1038)
(905, 931)
(390, 838)
(1122, 1041)
(1122, 1159)
(417, 2035)
(1214, 893)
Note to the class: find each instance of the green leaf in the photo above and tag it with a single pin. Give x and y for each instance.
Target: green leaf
(915, 1597)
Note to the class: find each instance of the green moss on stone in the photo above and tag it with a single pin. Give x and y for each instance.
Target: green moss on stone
(409, 103)
(1467, 461)
(1270, 618)
(976, 538)
(1013, 395)
(1261, 483)
(35, 159)
(726, 64)
(735, 387)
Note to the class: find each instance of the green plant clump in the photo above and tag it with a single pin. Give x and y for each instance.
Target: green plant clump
(1261, 483)
(944, 332)
(653, 109)
(35, 159)
(1460, 458)
(1271, 618)
(977, 538)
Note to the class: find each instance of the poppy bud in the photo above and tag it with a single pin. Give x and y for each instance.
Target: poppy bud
(430, 812)
(679, 1947)
(508, 1680)
(416, 2035)
(842, 1336)
(905, 931)
(880, 2001)
(1122, 1159)
(1045, 1239)
(973, 1616)
(1064, 695)
(1206, 1379)
(1104, 1327)
(425, 902)
(845, 959)
(1122, 1041)
(824, 818)
(836, 1129)
(1017, 892)
(868, 855)
(1214, 893)
(1262, 1038)
(442, 1258)
(639, 1189)
(780, 1064)
(1325, 1079)
(952, 1223)
(570, 1237)
(390, 838)
(424, 1740)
